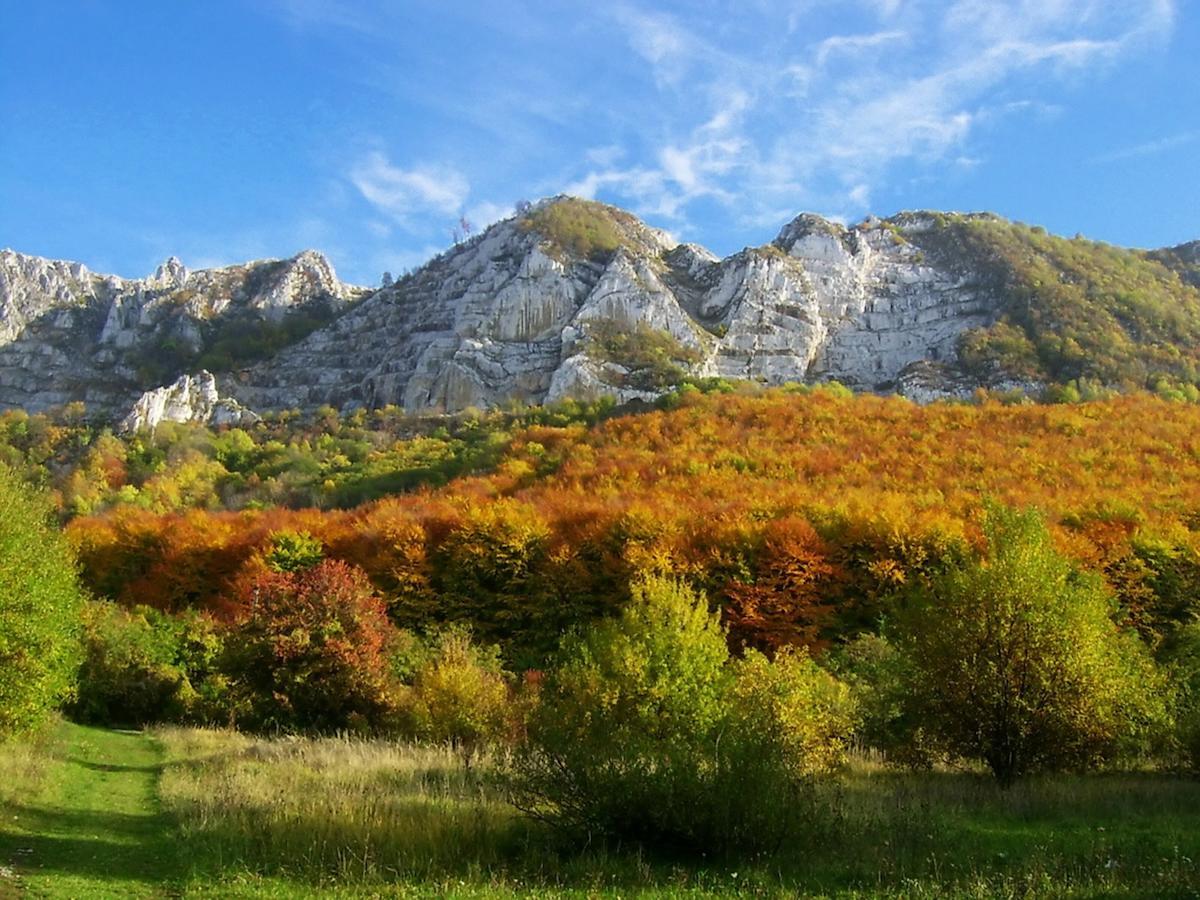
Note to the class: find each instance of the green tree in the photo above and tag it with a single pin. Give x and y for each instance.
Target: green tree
(143, 665)
(40, 603)
(1015, 659)
(1183, 661)
(648, 731)
(293, 551)
(879, 677)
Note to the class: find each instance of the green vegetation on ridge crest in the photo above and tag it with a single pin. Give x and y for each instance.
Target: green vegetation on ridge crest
(1075, 309)
(582, 228)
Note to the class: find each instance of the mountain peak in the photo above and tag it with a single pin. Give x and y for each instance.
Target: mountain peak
(170, 274)
(805, 225)
(574, 298)
(590, 230)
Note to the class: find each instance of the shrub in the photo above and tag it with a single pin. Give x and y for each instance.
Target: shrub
(1184, 666)
(310, 651)
(40, 603)
(785, 722)
(143, 665)
(1016, 661)
(460, 694)
(647, 731)
(656, 359)
(878, 676)
(128, 676)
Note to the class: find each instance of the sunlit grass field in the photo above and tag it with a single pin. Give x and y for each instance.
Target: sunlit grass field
(259, 815)
(204, 813)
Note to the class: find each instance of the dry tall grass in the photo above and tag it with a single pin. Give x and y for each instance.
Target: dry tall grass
(24, 762)
(341, 816)
(341, 808)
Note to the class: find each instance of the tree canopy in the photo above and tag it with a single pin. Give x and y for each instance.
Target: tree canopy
(40, 605)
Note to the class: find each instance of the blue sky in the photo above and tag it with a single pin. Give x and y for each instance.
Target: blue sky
(221, 130)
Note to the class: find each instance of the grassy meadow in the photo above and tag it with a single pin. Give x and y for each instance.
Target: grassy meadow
(379, 815)
(211, 813)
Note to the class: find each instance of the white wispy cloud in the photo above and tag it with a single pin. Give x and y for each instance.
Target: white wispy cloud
(854, 44)
(1147, 148)
(329, 13)
(485, 212)
(756, 105)
(660, 40)
(823, 124)
(403, 193)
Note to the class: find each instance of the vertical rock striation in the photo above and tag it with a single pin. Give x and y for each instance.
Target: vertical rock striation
(508, 316)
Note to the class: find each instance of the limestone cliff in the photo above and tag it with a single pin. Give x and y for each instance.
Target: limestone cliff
(191, 398)
(508, 316)
(67, 334)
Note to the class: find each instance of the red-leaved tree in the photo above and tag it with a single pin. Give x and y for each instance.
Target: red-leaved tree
(309, 650)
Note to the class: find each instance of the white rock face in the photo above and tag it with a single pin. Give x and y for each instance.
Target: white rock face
(507, 317)
(67, 334)
(192, 398)
(927, 382)
(171, 274)
(513, 315)
(582, 378)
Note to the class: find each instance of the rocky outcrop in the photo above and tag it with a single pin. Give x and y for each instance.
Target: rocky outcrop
(67, 334)
(508, 316)
(191, 398)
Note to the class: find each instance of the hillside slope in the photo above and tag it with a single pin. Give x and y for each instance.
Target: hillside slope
(796, 503)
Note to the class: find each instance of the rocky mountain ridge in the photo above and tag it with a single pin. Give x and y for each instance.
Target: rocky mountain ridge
(572, 298)
(70, 335)
(511, 315)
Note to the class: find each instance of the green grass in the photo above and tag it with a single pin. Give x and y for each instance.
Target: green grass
(81, 817)
(201, 813)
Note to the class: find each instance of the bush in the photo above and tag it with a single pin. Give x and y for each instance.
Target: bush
(291, 551)
(1184, 666)
(1015, 659)
(143, 665)
(128, 676)
(40, 603)
(310, 651)
(460, 695)
(785, 722)
(656, 359)
(794, 707)
(647, 731)
(878, 676)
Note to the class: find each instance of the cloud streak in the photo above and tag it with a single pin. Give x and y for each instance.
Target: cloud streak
(406, 193)
(1148, 148)
(823, 124)
(758, 108)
